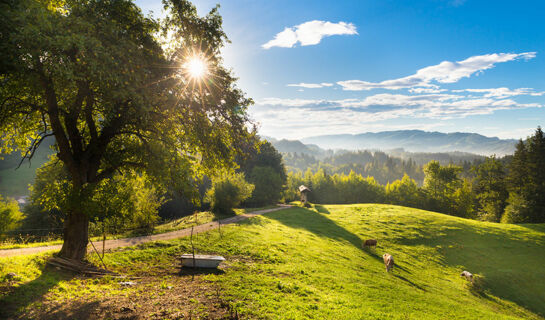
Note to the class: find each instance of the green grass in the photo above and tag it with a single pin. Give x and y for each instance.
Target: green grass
(308, 263)
(195, 219)
(200, 218)
(10, 244)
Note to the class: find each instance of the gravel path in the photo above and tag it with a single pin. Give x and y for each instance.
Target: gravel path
(117, 243)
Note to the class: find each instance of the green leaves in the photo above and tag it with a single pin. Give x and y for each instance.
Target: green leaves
(94, 74)
(527, 181)
(228, 191)
(10, 216)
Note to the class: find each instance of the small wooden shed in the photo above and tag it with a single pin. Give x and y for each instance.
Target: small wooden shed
(304, 190)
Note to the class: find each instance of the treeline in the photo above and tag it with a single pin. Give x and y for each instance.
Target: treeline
(129, 201)
(510, 190)
(443, 190)
(384, 167)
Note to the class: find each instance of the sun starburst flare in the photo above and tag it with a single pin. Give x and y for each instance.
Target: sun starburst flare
(196, 67)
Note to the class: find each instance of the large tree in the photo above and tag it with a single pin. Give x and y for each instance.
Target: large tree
(441, 184)
(490, 189)
(118, 91)
(265, 169)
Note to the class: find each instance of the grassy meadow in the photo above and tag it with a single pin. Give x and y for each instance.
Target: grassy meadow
(189, 221)
(307, 264)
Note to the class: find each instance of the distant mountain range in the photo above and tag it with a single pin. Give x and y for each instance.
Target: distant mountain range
(409, 140)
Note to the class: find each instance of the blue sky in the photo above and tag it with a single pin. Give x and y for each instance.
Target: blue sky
(332, 67)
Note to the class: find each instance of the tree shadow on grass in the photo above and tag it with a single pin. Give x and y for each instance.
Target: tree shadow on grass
(321, 209)
(20, 297)
(324, 227)
(539, 227)
(408, 281)
(310, 220)
(74, 310)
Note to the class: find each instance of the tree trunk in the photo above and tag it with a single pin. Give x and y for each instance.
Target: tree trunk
(76, 231)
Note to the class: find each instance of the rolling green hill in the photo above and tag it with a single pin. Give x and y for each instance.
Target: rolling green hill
(308, 264)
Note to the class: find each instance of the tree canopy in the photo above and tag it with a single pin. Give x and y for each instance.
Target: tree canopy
(527, 181)
(111, 86)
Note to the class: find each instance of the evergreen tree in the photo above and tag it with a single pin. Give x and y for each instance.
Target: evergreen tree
(535, 186)
(527, 181)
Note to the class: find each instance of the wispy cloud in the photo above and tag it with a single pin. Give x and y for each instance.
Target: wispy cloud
(426, 90)
(444, 72)
(297, 118)
(310, 85)
(309, 33)
(503, 92)
(379, 107)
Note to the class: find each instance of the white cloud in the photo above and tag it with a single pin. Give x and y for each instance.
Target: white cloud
(309, 33)
(426, 90)
(310, 85)
(333, 114)
(503, 92)
(444, 72)
(284, 39)
(296, 118)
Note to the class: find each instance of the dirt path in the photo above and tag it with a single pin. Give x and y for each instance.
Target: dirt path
(127, 242)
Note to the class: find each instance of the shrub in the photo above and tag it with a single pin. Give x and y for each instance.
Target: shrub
(228, 191)
(10, 216)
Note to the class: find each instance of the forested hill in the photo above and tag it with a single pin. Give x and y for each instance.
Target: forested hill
(296, 146)
(416, 141)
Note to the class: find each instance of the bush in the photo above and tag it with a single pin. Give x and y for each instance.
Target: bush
(228, 191)
(268, 186)
(10, 216)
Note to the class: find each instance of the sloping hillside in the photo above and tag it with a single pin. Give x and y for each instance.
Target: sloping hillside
(308, 264)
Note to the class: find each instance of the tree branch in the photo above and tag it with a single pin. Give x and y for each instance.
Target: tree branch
(71, 119)
(65, 152)
(89, 118)
(32, 149)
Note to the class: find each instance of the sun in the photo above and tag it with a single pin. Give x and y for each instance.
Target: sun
(196, 67)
